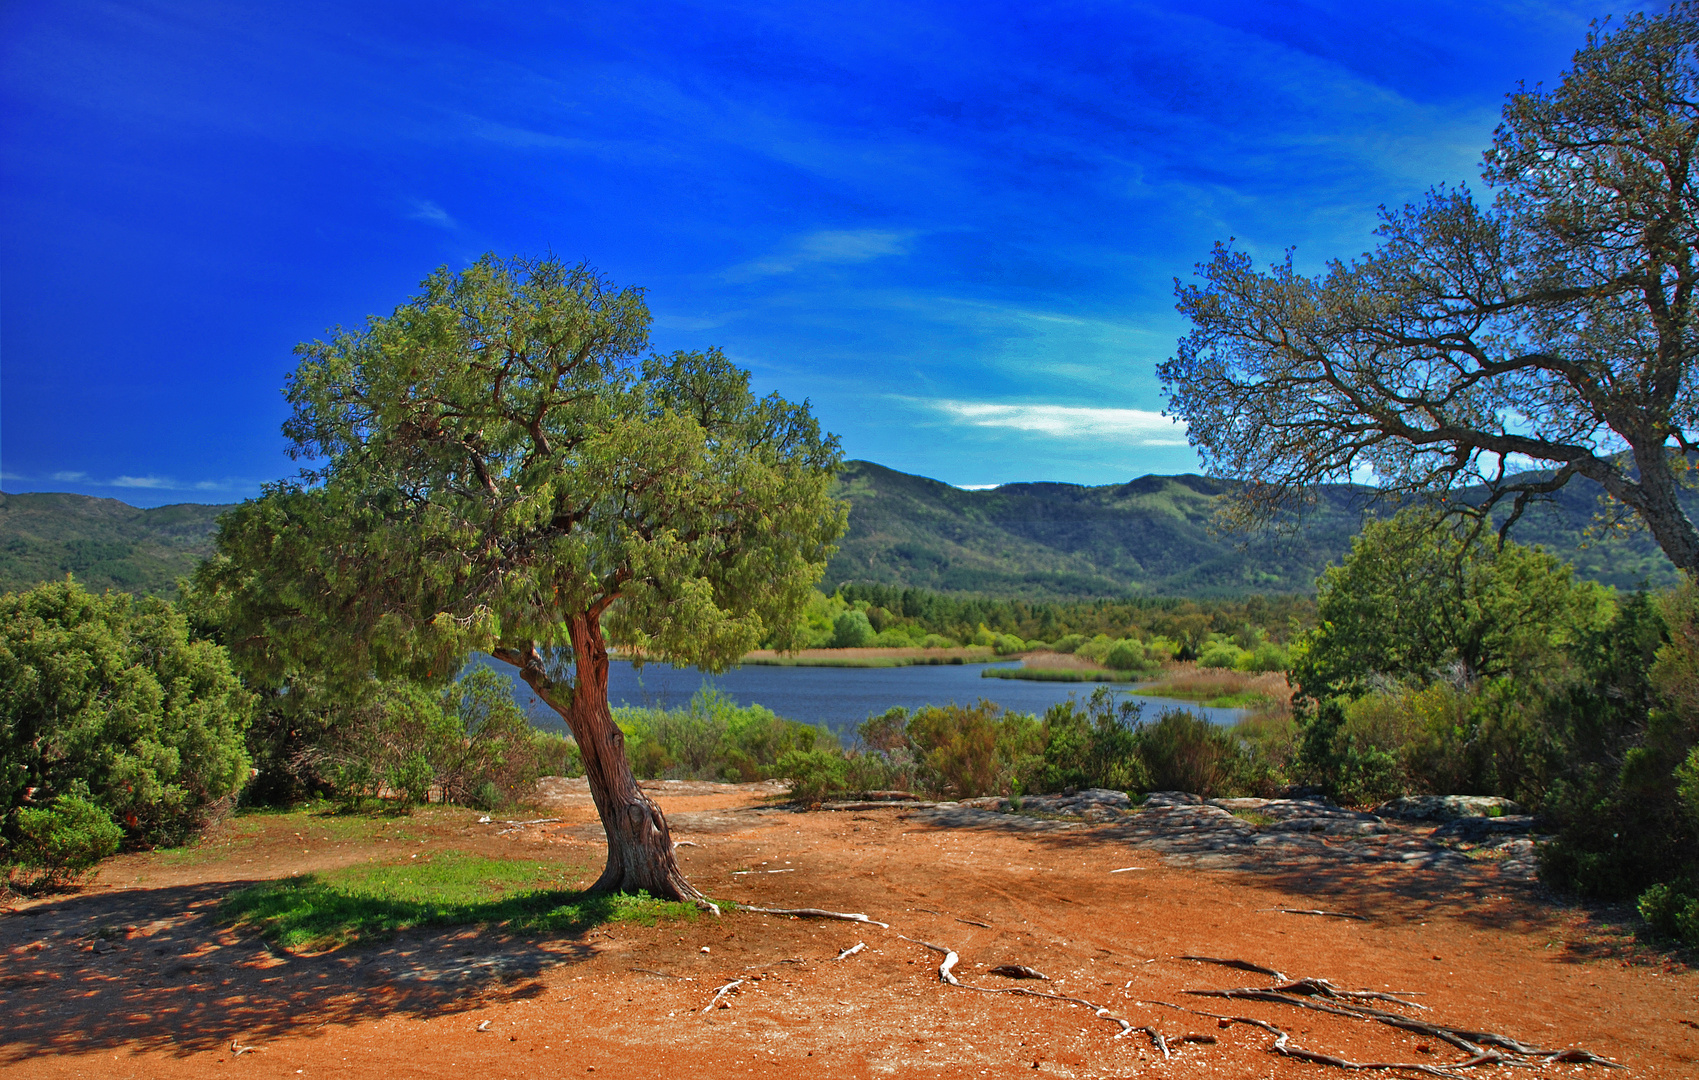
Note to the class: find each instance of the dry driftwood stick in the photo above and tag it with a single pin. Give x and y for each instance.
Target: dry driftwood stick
(816, 913)
(976, 922)
(1239, 965)
(852, 950)
(722, 992)
(684, 843)
(238, 1051)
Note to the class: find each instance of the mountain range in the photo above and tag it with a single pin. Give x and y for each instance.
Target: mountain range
(1156, 536)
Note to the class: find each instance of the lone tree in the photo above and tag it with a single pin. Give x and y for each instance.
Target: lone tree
(1556, 325)
(505, 470)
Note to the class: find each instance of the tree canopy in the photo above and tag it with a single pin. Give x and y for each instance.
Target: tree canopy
(502, 466)
(1554, 326)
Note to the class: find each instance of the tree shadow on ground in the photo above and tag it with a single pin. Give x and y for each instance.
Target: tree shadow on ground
(155, 969)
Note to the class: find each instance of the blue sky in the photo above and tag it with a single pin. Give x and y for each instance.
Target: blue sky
(953, 227)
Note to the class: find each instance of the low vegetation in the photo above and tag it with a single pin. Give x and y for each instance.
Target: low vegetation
(315, 912)
(714, 738)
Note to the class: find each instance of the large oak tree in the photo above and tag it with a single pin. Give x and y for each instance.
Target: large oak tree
(1556, 326)
(502, 466)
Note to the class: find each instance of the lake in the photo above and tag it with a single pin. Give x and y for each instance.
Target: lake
(840, 698)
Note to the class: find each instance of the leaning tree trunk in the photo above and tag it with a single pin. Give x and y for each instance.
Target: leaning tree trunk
(640, 848)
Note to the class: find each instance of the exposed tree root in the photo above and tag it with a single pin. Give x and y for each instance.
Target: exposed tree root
(1316, 911)
(945, 974)
(1282, 1045)
(815, 913)
(1239, 965)
(1017, 971)
(1301, 993)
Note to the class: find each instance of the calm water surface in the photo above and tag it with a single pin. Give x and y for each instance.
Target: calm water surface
(841, 698)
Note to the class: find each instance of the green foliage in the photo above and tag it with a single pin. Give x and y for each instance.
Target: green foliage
(1625, 795)
(57, 844)
(851, 630)
(503, 468)
(1671, 912)
(111, 699)
(813, 773)
(1185, 752)
(1418, 599)
(468, 743)
(363, 903)
(1090, 745)
(714, 738)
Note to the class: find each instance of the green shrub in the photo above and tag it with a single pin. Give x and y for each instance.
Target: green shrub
(55, 845)
(1068, 643)
(813, 774)
(1185, 752)
(851, 630)
(1126, 656)
(713, 738)
(1672, 912)
(1090, 745)
(937, 641)
(1221, 654)
(468, 743)
(112, 699)
(1267, 656)
(1007, 644)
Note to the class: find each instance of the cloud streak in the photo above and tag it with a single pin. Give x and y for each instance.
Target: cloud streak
(1135, 427)
(827, 246)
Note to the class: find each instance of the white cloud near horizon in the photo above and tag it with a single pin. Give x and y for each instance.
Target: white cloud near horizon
(1135, 427)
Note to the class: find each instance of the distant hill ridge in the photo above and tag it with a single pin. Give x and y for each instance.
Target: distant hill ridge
(1151, 536)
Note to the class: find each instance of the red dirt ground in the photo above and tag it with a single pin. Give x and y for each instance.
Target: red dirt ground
(167, 992)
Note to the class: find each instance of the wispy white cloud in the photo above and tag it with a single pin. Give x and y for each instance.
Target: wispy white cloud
(152, 482)
(977, 487)
(429, 212)
(826, 246)
(1134, 427)
(66, 477)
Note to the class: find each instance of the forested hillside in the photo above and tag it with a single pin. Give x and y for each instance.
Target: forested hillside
(105, 543)
(1153, 536)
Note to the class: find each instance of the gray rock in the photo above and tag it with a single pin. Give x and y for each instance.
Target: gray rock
(1446, 807)
(1477, 828)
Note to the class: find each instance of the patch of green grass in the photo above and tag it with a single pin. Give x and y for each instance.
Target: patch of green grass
(1059, 674)
(1253, 817)
(324, 911)
(1247, 699)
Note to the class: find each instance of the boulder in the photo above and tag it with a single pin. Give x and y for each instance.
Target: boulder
(1447, 807)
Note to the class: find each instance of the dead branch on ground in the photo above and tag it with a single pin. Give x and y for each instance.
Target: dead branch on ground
(816, 913)
(852, 950)
(722, 992)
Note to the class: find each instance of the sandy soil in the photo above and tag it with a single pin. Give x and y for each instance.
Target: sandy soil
(166, 992)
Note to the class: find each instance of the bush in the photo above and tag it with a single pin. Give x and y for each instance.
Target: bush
(1185, 752)
(1006, 644)
(1221, 654)
(1126, 656)
(1094, 745)
(1672, 913)
(1068, 643)
(851, 630)
(1265, 657)
(713, 738)
(56, 845)
(468, 743)
(111, 699)
(813, 773)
